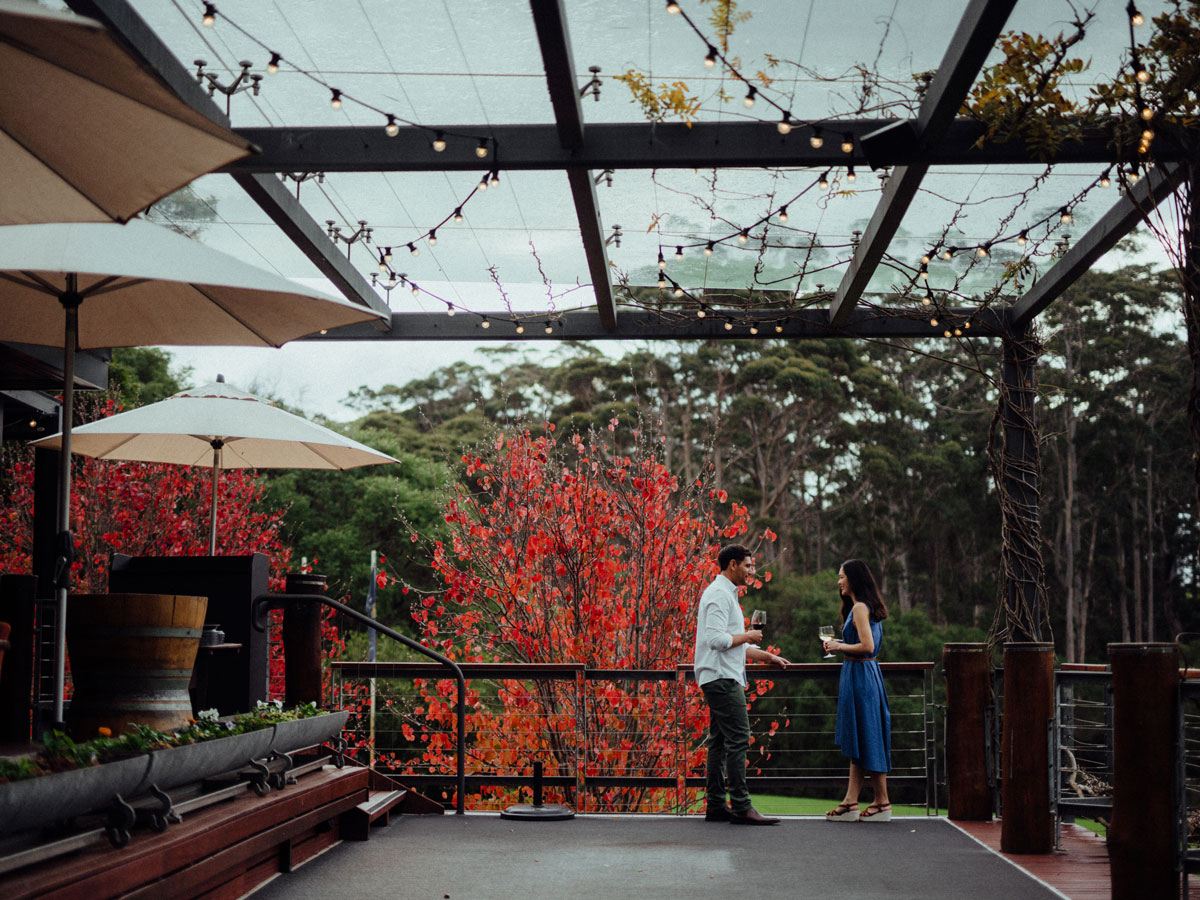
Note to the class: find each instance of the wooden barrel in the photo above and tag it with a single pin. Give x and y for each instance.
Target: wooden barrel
(131, 660)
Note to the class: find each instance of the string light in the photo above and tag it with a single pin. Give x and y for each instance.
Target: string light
(847, 143)
(783, 216)
(520, 328)
(754, 329)
(672, 8)
(273, 65)
(744, 236)
(750, 95)
(850, 176)
(414, 287)
(383, 266)
(210, 15)
(728, 326)
(1135, 17)
(439, 142)
(816, 141)
(495, 177)
(483, 183)
(923, 273)
(1022, 238)
(482, 150)
(662, 263)
(823, 184)
(549, 327)
(391, 128)
(414, 249)
(678, 290)
(1105, 181)
(1133, 174)
(708, 249)
(778, 328)
(1064, 216)
(785, 124)
(335, 99)
(711, 59)
(1147, 113)
(933, 323)
(926, 258)
(928, 298)
(701, 312)
(450, 310)
(662, 281)
(982, 251)
(458, 215)
(679, 253)
(946, 333)
(948, 253)
(486, 323)
(958, 332)
(432, 237)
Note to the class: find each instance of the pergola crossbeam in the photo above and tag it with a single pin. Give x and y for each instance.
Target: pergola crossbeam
(1142, 197)
(972, 41)
(550, 21)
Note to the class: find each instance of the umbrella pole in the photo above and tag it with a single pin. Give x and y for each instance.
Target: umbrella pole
(70, 300)
(212, 524)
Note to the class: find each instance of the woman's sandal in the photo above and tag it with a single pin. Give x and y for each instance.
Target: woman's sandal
(883, 813)
(843, 812)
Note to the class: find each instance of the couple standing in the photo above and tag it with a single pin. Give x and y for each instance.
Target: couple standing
(723, 645)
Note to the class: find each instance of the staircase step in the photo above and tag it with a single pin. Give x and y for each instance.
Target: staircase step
(376, 809)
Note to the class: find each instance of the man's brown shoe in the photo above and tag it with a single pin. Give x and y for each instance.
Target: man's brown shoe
(718, 813)
(751, 817)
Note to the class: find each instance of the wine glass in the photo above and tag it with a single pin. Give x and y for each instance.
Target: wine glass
(758, 619)
(826, 634)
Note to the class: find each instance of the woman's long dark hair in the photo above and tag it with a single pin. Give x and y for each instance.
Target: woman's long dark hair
(862, 584)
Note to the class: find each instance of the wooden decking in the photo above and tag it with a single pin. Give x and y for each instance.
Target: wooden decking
(1078, 871)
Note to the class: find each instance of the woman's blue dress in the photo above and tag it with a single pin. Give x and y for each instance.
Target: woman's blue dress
(864, 722)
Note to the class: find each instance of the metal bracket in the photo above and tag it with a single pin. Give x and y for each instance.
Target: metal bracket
(121, 817)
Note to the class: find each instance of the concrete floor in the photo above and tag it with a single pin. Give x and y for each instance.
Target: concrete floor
(484, 857)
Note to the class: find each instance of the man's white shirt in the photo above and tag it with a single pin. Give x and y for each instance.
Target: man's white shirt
(718, 619)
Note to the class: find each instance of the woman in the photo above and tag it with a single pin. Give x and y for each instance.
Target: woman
(864, 722)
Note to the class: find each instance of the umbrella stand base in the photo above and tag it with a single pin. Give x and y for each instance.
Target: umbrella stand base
(550, 812)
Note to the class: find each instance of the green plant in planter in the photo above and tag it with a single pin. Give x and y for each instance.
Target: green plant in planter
(62, 754)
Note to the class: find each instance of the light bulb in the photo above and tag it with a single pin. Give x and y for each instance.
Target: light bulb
(679, 253)
(391, 128)
(754, 329)
(1142, 76)
(933, 322)
(1133, 174)
(779, 329)
(387, 254)
(273, 65)
(946, 333)
(927, 299)
(708, 249)
(783, 216)
(816, 141)
(450, 310)
(335, 99)
(1148, 135)
(495, 177)
(923, 274)
(785, 125)
(1135, 17)
(520, 329)
(549, 328)
(729, 326)
(700, 313)
(414, 249)
(948, 253)
(458, 215)
(1064, 216)
(439, 142)
(485, 323)
(482, 150)
(662, 263)
(662, 281)
(482, 186)
(847, 144)
(1105, 181)
(433, 237)
(678, 291)
(925, 258)
(672, 8)
(981, 252)
(711, 59)
(412, 286)
(823, 184)
(1022, 239)
(210, 15)
(1147, 113)
(744, 236)
(850, 176)
(750, 95)
(383, 266)
(958, 332)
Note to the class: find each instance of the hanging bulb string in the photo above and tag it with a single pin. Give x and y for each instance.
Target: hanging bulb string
(757, 92)
(340, 96)
(455, 215)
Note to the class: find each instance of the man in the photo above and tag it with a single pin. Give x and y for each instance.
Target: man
(722, 648)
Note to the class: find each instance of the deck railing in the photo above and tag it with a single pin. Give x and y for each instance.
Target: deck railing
(792, 719)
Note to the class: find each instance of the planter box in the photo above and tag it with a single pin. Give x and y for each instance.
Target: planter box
(34, 802)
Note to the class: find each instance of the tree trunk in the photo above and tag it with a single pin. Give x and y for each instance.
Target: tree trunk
(1071, 512)
(1150, 543)
(1122, 585)
(1136, 555)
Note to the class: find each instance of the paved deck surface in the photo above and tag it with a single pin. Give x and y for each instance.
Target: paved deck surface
(484, 857)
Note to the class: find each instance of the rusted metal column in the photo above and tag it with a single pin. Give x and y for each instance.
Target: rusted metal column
(302, 640)
(1141, 838)
(1026, 823)
(968, 695)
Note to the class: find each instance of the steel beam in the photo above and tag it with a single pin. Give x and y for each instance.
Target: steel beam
(672, 326)
(645, 145)
(972, 41)
(123, 21)
(550, 21)
(1125, 214)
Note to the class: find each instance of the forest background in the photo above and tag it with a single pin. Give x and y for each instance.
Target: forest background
(842, 448)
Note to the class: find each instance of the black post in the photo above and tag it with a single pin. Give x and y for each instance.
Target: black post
(17, 602)
(1017, 481)
(302, 641)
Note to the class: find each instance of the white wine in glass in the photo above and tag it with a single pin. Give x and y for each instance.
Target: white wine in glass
(826, 633)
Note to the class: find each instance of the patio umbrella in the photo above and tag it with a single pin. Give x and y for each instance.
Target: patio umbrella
(219, 425)
(86, 133)
(106, 285)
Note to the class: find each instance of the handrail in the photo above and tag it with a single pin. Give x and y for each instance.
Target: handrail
(265, 602)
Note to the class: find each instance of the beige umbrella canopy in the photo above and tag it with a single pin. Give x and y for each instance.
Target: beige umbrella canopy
(87, 134)
(218, 425)
(106, 285)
